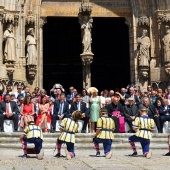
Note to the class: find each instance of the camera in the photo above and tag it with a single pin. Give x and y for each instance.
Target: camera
(57, 86)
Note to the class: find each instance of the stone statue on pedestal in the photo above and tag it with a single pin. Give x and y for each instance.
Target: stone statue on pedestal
(143, 53)
(9, 51)
(86, 34)
(31, 43)
(166, 45)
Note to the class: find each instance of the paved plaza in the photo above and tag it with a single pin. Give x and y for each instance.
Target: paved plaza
(85, 159)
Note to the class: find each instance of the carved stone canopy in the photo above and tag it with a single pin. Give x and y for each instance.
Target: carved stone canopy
(163, 17)
(30, 18)
(143, 72)
(144, 20)
(31, 72)
(10, 68)
(87, 59)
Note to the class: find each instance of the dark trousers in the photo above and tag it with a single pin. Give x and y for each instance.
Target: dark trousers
(14, 117)
(37, 142)
(106, 144)
(116, 120)
(129, 122)
(144, 142)
(70, 146)
(54, 118)
(85, 119)
(163, 119)
(157, 122)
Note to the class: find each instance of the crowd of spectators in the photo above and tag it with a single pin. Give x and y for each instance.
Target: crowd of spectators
(123, 106)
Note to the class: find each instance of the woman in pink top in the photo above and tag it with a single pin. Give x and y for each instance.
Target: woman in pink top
(27, 111)
(42, 115)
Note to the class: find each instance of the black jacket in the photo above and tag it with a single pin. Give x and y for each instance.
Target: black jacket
(14, 107)
(131, 110)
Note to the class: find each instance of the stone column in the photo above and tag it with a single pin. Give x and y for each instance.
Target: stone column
(40, 53)
(1, 33)
(86, 21)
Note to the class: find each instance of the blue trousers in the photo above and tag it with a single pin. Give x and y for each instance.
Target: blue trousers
(70, 146)
(106, 144)
(144, 142)
(37, 142)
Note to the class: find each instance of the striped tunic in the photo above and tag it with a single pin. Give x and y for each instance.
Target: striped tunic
(144, 125)
(106, 125)
(33, 131)
(70, 127)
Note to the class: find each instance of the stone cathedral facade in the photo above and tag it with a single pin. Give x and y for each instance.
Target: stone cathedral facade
(21, 37)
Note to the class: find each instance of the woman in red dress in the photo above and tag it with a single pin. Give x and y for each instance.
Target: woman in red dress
(42, 115)
(27, 111)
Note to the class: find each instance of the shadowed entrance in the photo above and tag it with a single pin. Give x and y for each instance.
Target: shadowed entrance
(61, 55)
(111, 65)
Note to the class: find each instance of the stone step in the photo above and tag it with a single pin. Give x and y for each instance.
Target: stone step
(15, 140)
(85, 146)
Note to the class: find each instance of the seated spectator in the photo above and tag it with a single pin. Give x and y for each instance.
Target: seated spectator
(131, 112)
(111, 93)
(8, 90)
(50, 112)
(19, 93)
(27, 112)
(26, 90)
(43, 111)
(164, 113)
(81, 106)
(37, 91)
(43, 94)
(71, 95)
(12, 97)
(151, 112)
(123, 96)
(19, 104)
(132, 94)
(168, 94)
(8, 110)
(61, 111)
(115, 110)
(153, 97)
(1, 91)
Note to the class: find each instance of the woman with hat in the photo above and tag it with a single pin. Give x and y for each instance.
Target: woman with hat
(143, 126)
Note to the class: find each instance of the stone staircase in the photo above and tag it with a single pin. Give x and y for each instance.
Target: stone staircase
(83, 141)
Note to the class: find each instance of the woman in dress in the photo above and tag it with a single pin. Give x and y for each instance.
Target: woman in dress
(27, 112)
(94, 110)
(42, 115)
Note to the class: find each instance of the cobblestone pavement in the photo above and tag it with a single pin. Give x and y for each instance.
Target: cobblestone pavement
(85, 160)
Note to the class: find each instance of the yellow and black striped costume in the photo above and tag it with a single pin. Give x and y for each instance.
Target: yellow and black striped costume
(33, 131)
(70, 127)
(106, 126)
(144, 125)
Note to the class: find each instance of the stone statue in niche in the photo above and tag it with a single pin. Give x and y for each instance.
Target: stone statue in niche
(86, 34)
(166, 45)
(31, 43)
(144, 45)
(9, 51)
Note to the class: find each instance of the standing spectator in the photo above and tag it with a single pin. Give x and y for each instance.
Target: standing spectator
(75, 91)
(149, 88)
(61, 111)
(71, 95)
(123, 96)
(131, 112)
(115, 106)
(132, 94)
(27, 112)
(111, 93)
(85, 97)
(43, 111)
(153, 97)
(37, 91)
(26, 90)
(2, 91)
(8, 110)
(12, 97)
(103, 97)
(94, 110)
(42, 95)
(8, 90)
(81, 106)
(19, 93)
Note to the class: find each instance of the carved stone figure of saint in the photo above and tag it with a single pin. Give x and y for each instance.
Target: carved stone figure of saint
(31, 43)
(143, 53)
(9, 51)
(86, 38)
(166, 42)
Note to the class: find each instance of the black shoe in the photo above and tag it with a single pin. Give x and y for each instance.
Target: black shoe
(24, 156)
(98, 154)
(2, 130)
(83, 131)
(57, 155)
(15, 130)
(52, 131)
(167, 154)
(134, 154)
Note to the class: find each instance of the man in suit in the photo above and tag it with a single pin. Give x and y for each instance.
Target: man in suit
(165, 113)
(8, 110)
(71, 95)
(61, 110)
(81, 106)
(151, 112)
(131, 112)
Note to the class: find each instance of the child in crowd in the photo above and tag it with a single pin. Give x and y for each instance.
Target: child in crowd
(32, 134)
(68, 128)
(104, 133)
(168, 154)
(144, 126)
